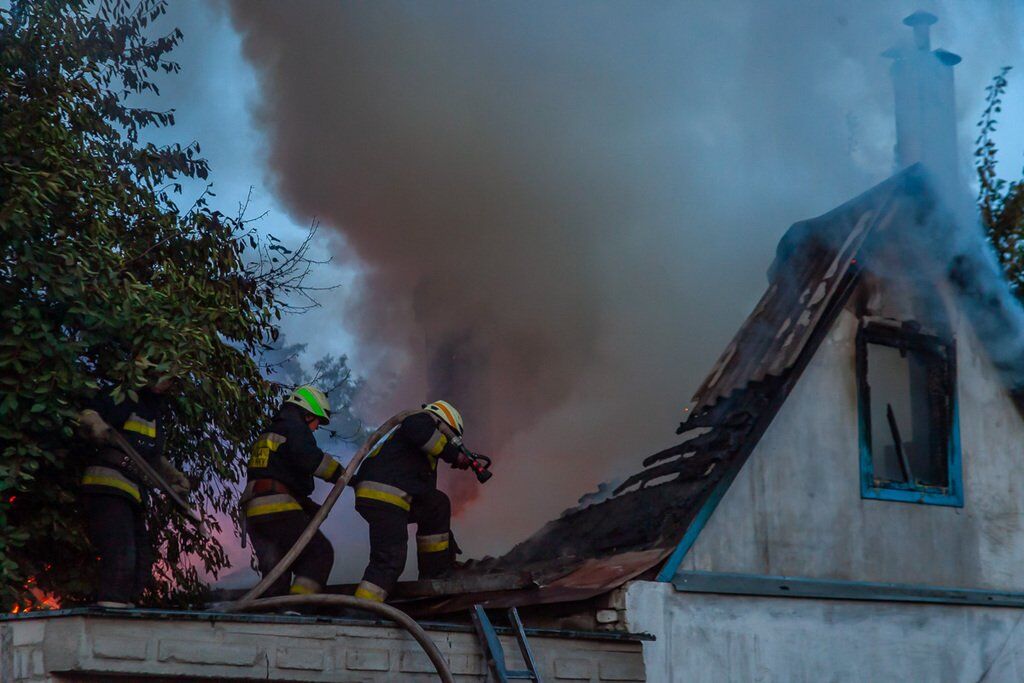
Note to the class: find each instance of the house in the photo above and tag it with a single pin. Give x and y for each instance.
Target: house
(845, 502)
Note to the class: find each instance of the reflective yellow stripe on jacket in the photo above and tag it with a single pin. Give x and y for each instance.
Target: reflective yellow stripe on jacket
(327, 469)
(139, 426)
(267, 443)
(268, 505)
(380, 444)
(372, 490)
(436, 444)
(434, 447)
(97, 475)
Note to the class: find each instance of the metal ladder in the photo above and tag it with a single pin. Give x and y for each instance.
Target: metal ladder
(496, 654)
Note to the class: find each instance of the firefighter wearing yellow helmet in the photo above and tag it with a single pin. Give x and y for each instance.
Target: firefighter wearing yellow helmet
(276, 504)
(397, 486)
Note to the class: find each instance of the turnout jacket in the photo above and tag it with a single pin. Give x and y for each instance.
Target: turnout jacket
(141, 423)
(404, 464)
(282, 465)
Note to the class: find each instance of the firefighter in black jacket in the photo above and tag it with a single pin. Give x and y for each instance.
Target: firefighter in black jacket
(114, 493)
(397, 485)
(276, 499)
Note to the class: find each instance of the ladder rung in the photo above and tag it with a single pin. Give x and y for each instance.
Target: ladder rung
(491, 645)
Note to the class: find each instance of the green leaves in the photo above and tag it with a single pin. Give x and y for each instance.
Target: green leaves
(1000, 202)
(107, 284)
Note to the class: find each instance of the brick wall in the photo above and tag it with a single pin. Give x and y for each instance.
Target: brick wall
(63, 647)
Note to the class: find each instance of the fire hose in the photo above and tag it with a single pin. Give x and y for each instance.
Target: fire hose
(157, 479)
(285, 562)
(396, 615)
(251, 599)
(479, 463)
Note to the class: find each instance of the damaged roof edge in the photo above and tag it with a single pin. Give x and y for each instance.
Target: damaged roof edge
(652, 520)
(811, 256)
(710, 503)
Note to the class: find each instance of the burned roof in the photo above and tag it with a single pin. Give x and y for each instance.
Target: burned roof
(608, 540)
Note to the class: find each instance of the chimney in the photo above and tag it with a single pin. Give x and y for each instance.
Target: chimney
(925, 104)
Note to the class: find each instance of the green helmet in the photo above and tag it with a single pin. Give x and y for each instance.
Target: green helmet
(313, 401)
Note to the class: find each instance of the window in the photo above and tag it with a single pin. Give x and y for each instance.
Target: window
(909, 439)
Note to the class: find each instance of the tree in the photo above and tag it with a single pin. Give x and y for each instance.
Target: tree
(1001, 202)
(107, 285)
(282, 363)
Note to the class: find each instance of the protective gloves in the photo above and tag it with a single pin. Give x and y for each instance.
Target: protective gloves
(92, 427)
(179, 482)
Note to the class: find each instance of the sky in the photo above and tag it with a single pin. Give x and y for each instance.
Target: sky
(559, 213)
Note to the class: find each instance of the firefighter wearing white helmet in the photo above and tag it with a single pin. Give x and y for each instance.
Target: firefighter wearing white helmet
(446, 411)
(397, 486)
(282, 465)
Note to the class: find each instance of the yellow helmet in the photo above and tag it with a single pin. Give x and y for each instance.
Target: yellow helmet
(313, 401)
(446, 411)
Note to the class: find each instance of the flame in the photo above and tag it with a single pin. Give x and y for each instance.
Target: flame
(38, 599)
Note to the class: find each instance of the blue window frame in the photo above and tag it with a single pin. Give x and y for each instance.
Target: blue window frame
(909, 431)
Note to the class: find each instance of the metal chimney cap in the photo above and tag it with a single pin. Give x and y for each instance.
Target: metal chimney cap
(947, 57)
(920, 18)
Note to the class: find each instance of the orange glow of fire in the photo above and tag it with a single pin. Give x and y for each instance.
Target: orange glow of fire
(39, 599)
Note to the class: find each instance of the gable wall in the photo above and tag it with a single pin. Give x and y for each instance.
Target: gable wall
(795, 508)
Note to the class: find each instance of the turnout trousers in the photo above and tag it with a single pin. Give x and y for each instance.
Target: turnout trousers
(117, 530)
(389, 539)
(273, 535)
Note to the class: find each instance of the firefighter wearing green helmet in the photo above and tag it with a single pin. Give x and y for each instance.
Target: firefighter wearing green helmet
(276, 504)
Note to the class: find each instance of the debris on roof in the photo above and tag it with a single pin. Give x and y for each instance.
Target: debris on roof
(608, 540)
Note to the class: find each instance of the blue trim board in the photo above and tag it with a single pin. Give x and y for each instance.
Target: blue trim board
(707, 508)
(832, 589)
(668, 570)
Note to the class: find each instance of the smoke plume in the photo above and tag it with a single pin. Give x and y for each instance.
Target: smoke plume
(561, 211)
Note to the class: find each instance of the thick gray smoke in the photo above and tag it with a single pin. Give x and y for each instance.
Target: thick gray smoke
(561, 211)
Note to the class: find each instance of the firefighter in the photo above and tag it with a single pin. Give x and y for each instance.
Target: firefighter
(276, 501)
(397, 486)
(114, 492)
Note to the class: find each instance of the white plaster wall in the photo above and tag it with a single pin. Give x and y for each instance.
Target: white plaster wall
(720, 638)
(795, 508)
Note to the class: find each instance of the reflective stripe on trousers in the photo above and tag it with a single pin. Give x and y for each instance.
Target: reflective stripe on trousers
(372, 490)
(371, 591)
(433, 543)
(304, 586)
(268, 505)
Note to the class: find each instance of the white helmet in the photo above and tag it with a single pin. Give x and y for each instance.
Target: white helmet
(446, 411)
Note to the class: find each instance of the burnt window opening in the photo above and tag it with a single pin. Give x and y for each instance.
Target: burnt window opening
(909, 441)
